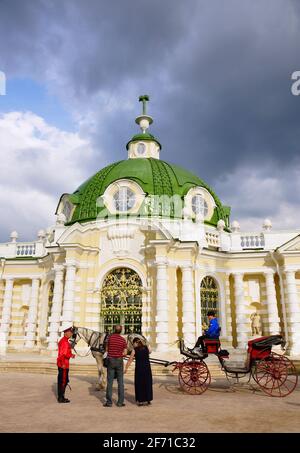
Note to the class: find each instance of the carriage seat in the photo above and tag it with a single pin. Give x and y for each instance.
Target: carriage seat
(212, 345)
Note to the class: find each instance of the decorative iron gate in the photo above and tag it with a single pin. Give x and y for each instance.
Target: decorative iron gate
(209, 297)
(121, 301)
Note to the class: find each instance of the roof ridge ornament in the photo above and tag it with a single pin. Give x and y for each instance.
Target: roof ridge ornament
(144, 120)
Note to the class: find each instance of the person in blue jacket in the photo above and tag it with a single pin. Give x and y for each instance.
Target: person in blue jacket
(213, 332)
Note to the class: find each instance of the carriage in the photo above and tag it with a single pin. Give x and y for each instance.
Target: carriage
(274, 373)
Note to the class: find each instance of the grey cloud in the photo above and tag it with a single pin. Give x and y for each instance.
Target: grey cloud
(218, 74)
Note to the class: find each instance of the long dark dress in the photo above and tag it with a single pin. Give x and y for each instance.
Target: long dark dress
(143, 376)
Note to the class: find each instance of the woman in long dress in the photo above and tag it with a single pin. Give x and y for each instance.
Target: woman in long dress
(143, 374)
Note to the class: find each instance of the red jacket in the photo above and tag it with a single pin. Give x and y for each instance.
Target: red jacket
(64, 353)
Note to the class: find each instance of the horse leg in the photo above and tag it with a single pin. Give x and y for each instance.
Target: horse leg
(101, 371)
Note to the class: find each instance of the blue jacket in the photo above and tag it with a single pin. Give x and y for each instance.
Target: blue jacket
(214, 329)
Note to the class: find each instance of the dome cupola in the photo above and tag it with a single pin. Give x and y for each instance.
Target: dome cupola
(143, 145)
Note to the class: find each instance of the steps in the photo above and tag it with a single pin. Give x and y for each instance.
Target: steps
(38, 364)
(89, 369)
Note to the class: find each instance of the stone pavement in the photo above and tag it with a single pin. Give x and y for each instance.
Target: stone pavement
(28, 404)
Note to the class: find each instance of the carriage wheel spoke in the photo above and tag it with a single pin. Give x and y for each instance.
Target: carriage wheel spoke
(276, 375)
(194, 377)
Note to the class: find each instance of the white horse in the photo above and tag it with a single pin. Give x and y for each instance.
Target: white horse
(96, 341)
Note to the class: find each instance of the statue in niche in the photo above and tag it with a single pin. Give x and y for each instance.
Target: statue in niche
(255, 324)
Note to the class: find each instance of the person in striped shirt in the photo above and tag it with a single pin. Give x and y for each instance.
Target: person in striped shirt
(116, 349)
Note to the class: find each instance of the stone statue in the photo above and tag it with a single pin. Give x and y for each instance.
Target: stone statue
(255, 323)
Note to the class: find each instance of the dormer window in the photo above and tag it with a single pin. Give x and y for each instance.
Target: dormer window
(123, 196)
(124, 199)
(199, 205)
(67, 209)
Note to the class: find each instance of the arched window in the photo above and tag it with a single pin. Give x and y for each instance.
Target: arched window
(121, 301)
(209, 297)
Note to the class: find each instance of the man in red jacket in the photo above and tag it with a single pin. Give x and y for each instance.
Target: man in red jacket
(64, 355)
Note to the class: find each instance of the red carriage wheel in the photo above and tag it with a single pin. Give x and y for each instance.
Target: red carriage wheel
(276, 375)
(194, 377)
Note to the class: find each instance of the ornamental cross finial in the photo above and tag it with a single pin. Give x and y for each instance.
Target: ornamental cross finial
(145, 98)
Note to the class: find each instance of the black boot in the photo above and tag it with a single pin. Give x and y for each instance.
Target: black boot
(61, 396)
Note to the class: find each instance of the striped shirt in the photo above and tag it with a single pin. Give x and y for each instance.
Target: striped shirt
(116, 345)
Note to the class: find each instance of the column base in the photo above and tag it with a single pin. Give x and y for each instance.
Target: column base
(52, 346)
(29, 344)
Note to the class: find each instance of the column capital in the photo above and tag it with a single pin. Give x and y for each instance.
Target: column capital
(186, 266)
(58, 268)
(8, 278)
(237, 273)
(161, 261)
(70, 263)
(269, 272)
(290, 270)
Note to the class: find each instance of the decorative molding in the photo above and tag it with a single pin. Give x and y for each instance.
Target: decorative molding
(120, 237)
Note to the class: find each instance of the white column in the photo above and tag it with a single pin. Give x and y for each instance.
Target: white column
(162, 302)
(228, 310)
(293, 312)
(56, 308)
(32, 314)
(242, 322)
(68, 304)
(6, 314)
(188, 306)
(273, 318)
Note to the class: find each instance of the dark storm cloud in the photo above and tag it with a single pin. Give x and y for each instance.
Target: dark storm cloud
(218, 74)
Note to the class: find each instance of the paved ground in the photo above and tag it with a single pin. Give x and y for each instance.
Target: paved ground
(28, 404)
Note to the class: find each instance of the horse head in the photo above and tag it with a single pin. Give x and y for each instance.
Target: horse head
(75, 337)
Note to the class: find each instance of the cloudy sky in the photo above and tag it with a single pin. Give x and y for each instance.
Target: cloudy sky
(219, 77)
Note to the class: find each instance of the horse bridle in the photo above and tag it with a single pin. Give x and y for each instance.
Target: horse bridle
(91, 348)
(74, 342)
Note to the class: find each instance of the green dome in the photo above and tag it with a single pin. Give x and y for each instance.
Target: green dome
(154, 176)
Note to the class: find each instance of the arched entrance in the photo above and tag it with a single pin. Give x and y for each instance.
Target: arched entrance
(209, 297)
(121, 301)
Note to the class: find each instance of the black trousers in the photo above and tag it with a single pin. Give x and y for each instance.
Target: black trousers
(62, 381)
(200, 342)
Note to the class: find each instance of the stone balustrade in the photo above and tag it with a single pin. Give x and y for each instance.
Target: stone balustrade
(22, 249)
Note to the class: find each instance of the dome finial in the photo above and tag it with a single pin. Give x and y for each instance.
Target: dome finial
(144, 120)
(144, 98)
